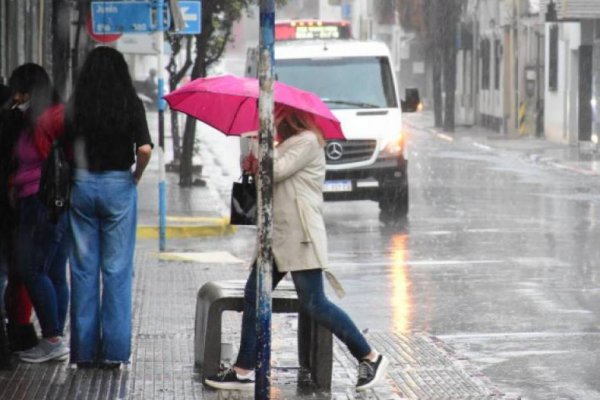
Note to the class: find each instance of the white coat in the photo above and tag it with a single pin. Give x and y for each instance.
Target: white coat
(299, 236)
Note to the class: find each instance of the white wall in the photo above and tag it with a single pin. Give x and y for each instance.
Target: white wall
(560, 106)
(488, 19)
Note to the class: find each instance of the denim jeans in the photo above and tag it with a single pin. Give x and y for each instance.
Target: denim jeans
(309, 287)
(42, 252)
(103, 217)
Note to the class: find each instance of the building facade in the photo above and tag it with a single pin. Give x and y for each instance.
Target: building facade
(47, 32)
(19, 45)
(500, 66)
(572, 42)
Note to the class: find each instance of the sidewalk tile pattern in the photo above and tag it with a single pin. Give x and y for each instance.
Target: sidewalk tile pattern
(162, 361)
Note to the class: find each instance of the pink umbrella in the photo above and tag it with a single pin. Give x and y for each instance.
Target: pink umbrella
(230, 104)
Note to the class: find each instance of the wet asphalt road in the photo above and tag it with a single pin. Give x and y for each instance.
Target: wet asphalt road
(499, 258)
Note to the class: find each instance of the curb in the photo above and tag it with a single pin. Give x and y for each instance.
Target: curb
(202, 227)
(534, 158)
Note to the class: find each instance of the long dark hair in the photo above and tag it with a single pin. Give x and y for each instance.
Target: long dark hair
(32, 79)
(104, 96)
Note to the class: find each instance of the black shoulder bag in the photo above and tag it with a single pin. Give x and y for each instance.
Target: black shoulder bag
(243, 202)
(55, 182)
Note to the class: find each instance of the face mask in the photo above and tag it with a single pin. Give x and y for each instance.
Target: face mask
(24, 106)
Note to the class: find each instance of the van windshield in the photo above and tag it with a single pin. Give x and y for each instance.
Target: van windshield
(349, 82)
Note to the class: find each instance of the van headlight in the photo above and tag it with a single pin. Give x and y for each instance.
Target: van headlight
(395, 145)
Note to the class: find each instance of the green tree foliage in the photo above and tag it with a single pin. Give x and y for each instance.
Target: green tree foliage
(176, 74)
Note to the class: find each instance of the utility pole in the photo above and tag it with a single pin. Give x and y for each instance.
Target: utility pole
(264, 263)
(512, 67)
(475, 65)
(516, 37)
(509, 98)
(3, 41)
(162, 191)
(60, 45)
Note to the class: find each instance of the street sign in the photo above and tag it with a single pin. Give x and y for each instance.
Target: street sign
(125, 17)
(100, 38)
(192, 16)
(347, 11)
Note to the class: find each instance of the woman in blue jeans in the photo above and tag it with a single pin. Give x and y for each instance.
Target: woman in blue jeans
(106, 125)
(299, 247)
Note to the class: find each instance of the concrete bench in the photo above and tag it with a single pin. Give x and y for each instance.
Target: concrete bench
(315, 344)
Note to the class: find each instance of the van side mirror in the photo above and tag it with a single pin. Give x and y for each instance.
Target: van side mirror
(412, 101)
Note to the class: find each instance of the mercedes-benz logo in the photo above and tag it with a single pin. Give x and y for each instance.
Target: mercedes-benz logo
(334, 151)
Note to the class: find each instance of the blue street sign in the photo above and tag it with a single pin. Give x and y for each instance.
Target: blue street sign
(191, 11)
(346, 11)
(109, 17)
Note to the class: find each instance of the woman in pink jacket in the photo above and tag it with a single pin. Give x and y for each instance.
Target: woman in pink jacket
(42, 246)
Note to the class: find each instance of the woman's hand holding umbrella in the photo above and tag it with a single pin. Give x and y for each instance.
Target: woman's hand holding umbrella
(250, 164)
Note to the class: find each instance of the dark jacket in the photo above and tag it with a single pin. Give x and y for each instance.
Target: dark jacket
(11, 123)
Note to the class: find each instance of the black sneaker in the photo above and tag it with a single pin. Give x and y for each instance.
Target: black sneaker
(228, 380)
(110, 365)
(87, 365)
(371, 372)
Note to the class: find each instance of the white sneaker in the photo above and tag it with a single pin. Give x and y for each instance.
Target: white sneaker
(46, 351)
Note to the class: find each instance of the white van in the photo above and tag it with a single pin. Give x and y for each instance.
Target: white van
(356, 80)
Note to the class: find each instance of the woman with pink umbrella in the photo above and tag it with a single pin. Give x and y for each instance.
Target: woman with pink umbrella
(299, 247)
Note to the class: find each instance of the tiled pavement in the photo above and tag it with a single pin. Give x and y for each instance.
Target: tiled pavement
(162, 361)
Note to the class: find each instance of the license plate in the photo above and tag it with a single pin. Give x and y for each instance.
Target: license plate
(337, 186)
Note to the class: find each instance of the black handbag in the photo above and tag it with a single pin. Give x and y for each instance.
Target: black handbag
(243, 202)
(55, 182)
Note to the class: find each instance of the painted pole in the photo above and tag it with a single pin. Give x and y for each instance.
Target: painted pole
(162, 190)
(265, 201)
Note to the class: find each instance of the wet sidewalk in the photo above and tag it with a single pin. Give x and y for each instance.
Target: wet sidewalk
(162, 363)
(581, 158)
(166, 286)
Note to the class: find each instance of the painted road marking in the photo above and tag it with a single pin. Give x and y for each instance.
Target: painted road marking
(210, 257)
(187, 231)
(208, 220)
(513, 335)
(423, 263)
(445, 137)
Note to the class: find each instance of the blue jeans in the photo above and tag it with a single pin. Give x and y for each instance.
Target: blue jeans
(42, 252)
(103, 217)
(309, 286)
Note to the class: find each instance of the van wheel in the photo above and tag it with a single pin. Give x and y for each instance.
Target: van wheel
(393, 204)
